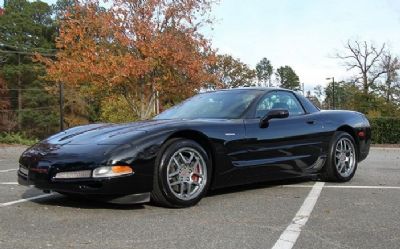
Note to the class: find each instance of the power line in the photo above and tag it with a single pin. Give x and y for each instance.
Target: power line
(26, 48)
(37, 89)
(26, 53)
(22, 89)
(12, 97)
(34, 108)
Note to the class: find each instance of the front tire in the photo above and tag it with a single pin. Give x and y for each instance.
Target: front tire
(182, 174)
(342, 159)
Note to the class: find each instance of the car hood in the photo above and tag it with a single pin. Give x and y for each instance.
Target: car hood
(104, 133)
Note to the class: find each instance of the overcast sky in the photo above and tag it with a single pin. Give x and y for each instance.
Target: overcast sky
(304, 34)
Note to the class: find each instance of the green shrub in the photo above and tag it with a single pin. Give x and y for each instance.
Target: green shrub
(385, 130)
(16, 138)
(116, 109)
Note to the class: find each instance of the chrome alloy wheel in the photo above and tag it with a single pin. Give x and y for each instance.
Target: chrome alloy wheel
(345, 157)
(187, 173)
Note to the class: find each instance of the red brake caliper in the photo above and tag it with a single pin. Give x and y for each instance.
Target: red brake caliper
(196, 170)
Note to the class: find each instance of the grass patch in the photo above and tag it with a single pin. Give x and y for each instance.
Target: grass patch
(16, 138)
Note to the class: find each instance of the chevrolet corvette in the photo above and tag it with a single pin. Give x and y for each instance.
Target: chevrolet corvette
(213, 140)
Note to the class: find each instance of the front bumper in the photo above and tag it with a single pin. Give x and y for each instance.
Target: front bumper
(123, 189)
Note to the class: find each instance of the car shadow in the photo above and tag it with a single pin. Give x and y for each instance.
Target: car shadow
(88, 203)
(77, 202)
(259, 185)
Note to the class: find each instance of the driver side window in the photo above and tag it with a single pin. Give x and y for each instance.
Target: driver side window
(279, 100)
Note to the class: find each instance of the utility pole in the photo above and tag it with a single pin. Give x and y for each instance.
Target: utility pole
(19, 93)
(61, 90)
(333, 93)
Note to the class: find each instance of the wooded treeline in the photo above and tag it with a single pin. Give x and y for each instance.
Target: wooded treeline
(133, 58)
(374, 88)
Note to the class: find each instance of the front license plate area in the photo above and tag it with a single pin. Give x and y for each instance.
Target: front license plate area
(24, 171)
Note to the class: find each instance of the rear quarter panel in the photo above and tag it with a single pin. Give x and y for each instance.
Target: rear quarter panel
(352, 122)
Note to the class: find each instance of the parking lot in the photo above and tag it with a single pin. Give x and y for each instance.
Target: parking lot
(364, 213)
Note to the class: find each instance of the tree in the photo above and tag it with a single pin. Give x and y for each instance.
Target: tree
(365, 58)
(349, 96)
(4, 102)
(6, 117)
(62, 7)
(344, 93)
(391, 86)
(318, 91)
(287, 78)
(115, 109)
(3, 59)
(139, 49)
(232, 72)
(27, 27)
(313, 99)
(264, 71)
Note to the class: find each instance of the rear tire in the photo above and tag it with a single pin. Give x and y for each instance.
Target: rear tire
(342, 159)
(182, 174)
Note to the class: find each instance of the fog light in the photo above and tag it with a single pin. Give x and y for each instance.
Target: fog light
(110, 171)
(74, 174)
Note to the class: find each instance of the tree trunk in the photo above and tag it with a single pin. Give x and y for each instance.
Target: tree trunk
(365, 83)
(388, 86)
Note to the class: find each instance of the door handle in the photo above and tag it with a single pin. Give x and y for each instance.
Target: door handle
(311, 122)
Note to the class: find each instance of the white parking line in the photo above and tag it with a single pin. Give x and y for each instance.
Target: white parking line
(7, 170)
(24, 200)
(289, 237)
(385, 148)
(8, 183)
(343, 186)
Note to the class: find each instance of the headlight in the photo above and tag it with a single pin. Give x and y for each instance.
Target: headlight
(110, 171)
(74, 174)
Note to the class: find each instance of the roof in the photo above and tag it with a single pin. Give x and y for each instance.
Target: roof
(259, 88)
(264, 89)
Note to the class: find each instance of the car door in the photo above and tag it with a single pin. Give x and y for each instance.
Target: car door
(288, 147)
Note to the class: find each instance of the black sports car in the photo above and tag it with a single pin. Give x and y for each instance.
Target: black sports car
(212, 140)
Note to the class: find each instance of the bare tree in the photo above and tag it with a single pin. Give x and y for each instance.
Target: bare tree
(318, 91)
(390, 64)
(366, 59)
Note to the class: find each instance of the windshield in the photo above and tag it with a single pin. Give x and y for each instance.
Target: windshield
(216, 105)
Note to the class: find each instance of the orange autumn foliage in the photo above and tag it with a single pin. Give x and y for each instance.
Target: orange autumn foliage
(135, 48)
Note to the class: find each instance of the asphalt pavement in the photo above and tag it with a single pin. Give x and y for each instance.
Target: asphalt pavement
(363, 213)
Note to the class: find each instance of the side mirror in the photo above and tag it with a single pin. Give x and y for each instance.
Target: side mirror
(275, 113)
